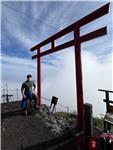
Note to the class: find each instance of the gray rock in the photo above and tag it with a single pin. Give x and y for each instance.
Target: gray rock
(56, 124)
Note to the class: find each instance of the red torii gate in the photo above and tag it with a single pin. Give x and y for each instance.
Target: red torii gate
(76, 42)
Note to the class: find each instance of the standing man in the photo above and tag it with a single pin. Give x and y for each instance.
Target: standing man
(28, 91)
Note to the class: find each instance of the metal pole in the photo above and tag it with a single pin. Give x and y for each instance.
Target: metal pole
(79, 87)
(107, 100)
(67, 109)
(39, 79)
(6, 88)
(7, 98)
(17, 93)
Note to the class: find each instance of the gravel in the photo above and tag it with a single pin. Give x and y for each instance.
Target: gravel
(19, 131)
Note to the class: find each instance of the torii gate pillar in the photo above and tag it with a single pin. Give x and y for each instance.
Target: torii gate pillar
(78, 67)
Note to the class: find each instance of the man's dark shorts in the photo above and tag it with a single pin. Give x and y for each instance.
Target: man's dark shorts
(31, 96)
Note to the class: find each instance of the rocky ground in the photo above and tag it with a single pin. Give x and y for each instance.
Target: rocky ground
(19, 131)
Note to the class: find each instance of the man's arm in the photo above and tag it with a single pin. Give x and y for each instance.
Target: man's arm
(23, 91)
(34, 87)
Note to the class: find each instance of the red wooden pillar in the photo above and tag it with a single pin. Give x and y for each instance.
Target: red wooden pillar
(39, 78)
(79, 86)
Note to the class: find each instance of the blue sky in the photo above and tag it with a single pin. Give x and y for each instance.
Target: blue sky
(21, 32)
(24, 24)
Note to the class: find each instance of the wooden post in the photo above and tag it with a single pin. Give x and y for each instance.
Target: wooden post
(88, 117)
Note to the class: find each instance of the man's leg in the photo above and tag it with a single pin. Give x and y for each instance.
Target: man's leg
(35, 100)
(26, 106)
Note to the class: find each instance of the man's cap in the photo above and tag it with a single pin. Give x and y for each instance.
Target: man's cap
(29, 75)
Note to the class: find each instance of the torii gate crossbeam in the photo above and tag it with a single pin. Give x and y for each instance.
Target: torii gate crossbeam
(76, 42)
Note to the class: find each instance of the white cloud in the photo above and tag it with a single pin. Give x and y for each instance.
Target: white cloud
(97, 73)
(14, 69)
